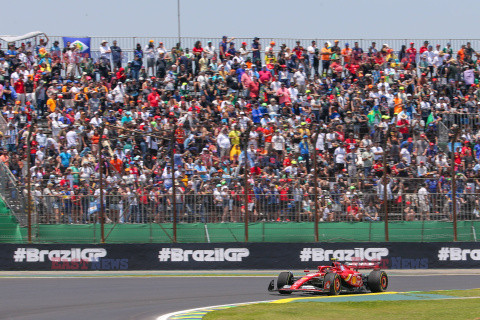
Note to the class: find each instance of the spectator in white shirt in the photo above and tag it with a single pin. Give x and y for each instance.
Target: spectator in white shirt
(300, 78)
(405, 155)
(105, 51)
(150, 53)
(377, 151)
(339, 156)
(224, 144)
(210, 51)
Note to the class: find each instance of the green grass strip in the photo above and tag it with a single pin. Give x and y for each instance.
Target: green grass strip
(459, 309)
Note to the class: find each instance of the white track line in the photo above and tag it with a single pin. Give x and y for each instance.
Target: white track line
(206, 276)
(172, 314)
(127, 276)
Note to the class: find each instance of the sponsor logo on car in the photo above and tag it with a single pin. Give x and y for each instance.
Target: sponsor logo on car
(327, 285)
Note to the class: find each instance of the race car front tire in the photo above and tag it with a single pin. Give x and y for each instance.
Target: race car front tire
(332, 284)
(378, 281)
(284, 279)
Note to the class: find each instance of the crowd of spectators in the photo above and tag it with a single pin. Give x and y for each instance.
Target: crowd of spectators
(228, 103)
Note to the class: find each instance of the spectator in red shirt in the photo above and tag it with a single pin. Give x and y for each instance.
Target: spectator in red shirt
(424, 47)
(19, 86)
(121, 76)
(268, 134)
(350, 142)
(352, 68)
(283, 95)
(197, 52)
(412, 54)
(403, 126)
(254, 87)
(353, 211)
(154, 98)
(264, 75)
(298, 50)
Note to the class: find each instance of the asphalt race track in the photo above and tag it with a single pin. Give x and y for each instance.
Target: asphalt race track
(148, 298)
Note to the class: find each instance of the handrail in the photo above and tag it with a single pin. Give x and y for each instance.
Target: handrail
(12, 195)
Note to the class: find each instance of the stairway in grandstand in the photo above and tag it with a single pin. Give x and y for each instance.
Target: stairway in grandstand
(43, 124)
(12, 195)
(10, 230)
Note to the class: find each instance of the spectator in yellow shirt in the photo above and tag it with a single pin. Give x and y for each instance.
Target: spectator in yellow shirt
(234, 136)
(52, 103)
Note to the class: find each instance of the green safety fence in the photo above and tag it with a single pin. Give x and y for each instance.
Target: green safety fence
(10, 231)
(404, 231)
(412, 231)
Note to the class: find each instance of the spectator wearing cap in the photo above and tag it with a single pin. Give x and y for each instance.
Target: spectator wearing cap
(205, 112)
(138, 52)
(19, 86)
(424, 48)
(412, 55)
(422, 169)
(298, 50)
(117, 55)
(448, 51)
(270, 48)
(270, 60)
(223, 47)
(163, 58)
(42, 44)
(231, 51)
(325, 53)
(336, 48)
(105, 52)
(55, 50)
(256, 49)
(409, 212)
(150, 54)
(243, 51)
(372, 50)
(161, 51)
(403, 126)
(438, 58)
(347, 54)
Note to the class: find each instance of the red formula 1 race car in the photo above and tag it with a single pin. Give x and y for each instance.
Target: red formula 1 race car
(334, 279)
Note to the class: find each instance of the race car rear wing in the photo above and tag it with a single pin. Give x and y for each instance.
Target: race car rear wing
(373, 264)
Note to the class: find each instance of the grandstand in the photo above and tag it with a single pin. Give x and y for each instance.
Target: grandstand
(147, 140)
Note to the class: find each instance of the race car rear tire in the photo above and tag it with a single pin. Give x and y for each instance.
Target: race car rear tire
(284, 279)
(332, 284)
(378, 281)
